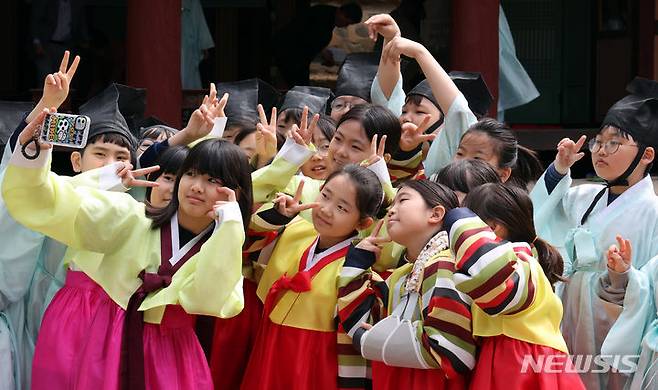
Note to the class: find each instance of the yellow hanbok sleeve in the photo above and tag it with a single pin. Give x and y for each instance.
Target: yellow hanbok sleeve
(210, 282)
(82, 218)
(104, 178)
(275, 177)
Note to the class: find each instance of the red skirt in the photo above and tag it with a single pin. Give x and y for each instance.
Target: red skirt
(397, 378)
(287, 358)
(500, 366)
(233, 341)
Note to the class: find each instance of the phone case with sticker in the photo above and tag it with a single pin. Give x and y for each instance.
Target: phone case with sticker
(66, 130)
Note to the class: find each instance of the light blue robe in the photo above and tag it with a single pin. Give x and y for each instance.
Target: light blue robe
(515, 88)
(195, 38)
(591, 325)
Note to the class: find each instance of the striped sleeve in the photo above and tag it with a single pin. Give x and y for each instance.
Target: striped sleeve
(403, 165)
(361, 292)
(362, 295)
(489, 270)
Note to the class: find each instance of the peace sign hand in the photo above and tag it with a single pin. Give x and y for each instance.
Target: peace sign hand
(266, 135)
(214, 106)
(413, 135)
(230, 197)
(291, 206)
(303, 133)
(619, 258)
(373, 243)
(376, 152)
(56, 85)
(128, 175)
(568, 152)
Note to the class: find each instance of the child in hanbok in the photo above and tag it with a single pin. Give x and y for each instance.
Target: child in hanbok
(422, 337)
(298, 344)
(160, 265)
(583, 222)
(509, 274)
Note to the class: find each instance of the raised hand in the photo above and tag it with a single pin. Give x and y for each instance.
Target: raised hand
(373, 243)
(128, 175)
(56, 85)
(376, 152)
(384, 25)
(266, 135)
(202, 119)
(230, 197)
(401, 46)
(413, 135)
(291, 206)
(619, 256)
(303, 133)
(568, 152)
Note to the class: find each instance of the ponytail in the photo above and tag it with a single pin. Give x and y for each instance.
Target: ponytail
(527, 169)
(524, 163)
(550, 260)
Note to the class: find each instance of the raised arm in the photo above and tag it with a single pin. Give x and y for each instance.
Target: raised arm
(83, 218)
(489, 270)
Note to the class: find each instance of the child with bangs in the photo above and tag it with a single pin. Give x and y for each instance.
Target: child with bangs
(159, 265)
(298, 344)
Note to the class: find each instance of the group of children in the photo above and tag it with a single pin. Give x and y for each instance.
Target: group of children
(390, 244)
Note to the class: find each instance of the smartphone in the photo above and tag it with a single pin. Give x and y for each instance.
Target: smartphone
(66, 130)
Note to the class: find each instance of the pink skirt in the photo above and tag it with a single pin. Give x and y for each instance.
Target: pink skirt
(79, 344)
(173, 357)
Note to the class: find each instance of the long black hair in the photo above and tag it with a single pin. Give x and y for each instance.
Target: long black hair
(220, 159)
(376, 120)
(170, 162)
(524, 163)
(511, 207)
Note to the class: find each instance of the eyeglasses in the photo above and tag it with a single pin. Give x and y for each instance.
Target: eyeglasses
(610, 147)
(340, 105)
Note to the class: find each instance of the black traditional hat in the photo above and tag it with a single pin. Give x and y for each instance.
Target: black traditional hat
(315, 98)
(637, 113)
(356, 75)
(474, 89)
(423, 89)
(103, 110)
(245, 96)
(132, 104)
(296, 99)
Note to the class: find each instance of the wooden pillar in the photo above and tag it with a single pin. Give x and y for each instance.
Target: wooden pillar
(474, 41)
(153, 56)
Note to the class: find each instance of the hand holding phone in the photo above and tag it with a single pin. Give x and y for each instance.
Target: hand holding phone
(66, 130)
